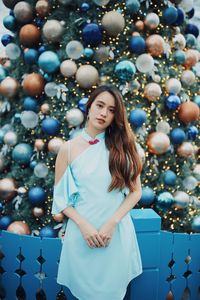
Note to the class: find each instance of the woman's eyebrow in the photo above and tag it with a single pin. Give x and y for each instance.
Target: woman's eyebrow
(104, 103)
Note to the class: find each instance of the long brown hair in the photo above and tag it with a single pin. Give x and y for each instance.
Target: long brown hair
(124, 161)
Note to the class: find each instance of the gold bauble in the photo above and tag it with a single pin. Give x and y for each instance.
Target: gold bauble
(155, 45)
(7, 188)
(158, 142)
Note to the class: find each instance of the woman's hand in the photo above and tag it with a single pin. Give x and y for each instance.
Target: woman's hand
(91, 235)
(106, 231)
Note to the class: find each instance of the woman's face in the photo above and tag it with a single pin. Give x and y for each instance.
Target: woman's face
(102, 110)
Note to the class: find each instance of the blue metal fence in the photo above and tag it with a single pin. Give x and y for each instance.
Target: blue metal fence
(171, 264)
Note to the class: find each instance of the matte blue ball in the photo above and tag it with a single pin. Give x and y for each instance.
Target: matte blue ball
(192, 133)
(169, 177)
(180, 17)
(177, 136)
(172, 102)
(190, 13)
(9, 22)
(148, 196)
(137, 117)
(30, 104)
(133, 6)
(92, 34)
(191, 41)
(88, 52)
(179, 57)
(193, 29)
(82, 104)
(50, 126)
(85, 7)
(37, 196)
(48, 232)
(5, 221)
(3, 73)
(197, 100)
(125, 70)
(31, 56)
(6, 39)
(196, 223)
(49, 62)
(170, 15)
(22, 153)
(137, 45)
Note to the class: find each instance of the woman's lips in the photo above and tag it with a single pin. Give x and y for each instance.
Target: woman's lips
(100, 121)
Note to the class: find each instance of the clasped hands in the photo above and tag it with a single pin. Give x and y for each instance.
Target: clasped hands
(97, 238)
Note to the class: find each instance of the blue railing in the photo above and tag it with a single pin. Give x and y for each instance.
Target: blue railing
(171, 264)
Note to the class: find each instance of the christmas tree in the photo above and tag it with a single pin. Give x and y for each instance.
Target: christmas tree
(57, 53)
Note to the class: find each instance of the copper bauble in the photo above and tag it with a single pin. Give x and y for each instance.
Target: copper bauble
(29, 35)
(139, 25)
(9, 87)
(39, 144)
(42, 8)
(59, 217)
(158, 142)
(34, 84)
(186, 149)
(19, 227)
(155, 45)
(191, 58)
(188, 112)
(7, 188)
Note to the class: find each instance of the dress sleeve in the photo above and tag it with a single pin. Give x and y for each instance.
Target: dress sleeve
(65, 192)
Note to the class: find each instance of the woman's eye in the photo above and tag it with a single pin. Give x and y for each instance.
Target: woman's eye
(99, 105)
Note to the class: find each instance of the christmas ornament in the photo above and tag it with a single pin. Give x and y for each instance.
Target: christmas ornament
(148, 196)
(137, 117)
(188, 112)
(29, 35)
(7, 188)
(29, 119)
(33, 84)
(155, 45)
(87, 76)
(92, 34)
(186, 149)
(19, 227)
(158, 142)
(74, 49)
(9, 87)
(49, 62)
(177, 136)
(23, 12)
(37, 196)
(169, 177)
(22, 153)
(74, 117)
(152, 91)
(5, 221)
(113, 22)
(145, 63)
(52, 30)
(54, 145)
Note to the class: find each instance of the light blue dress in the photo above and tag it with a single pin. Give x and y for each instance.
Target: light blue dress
(95, 273)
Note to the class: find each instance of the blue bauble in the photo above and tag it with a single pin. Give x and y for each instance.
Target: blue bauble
(5, 221)
(30, 104)
(193, 29)
(39, 22)
(31, 56)
(190, 13)
(148, 196)
(85, 7)
(2, 133)
(137, 44)
(172, 102)
(169, 177)
(137, 117)
(192, 133)
(133, 6)
(170, 15)
(1, 207)
(177, 136)
(48, 77)
(48, 232)
(92, 34)
(50, 126)
(9, 22)
(180, 17)
(191, 41)
(22, 153)
(33, 163)
(179, 57)
(197, 100)
(6, 39)
(125, 70)
(82, 104)
(3, 73)
(88, 52)
(37, 196)
(42, 49)
(164, 200)
(49, 62)
(196, 223)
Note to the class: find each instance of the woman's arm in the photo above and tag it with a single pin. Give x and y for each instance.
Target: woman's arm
(129, 202)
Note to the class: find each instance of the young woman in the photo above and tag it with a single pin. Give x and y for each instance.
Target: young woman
(97, 183)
